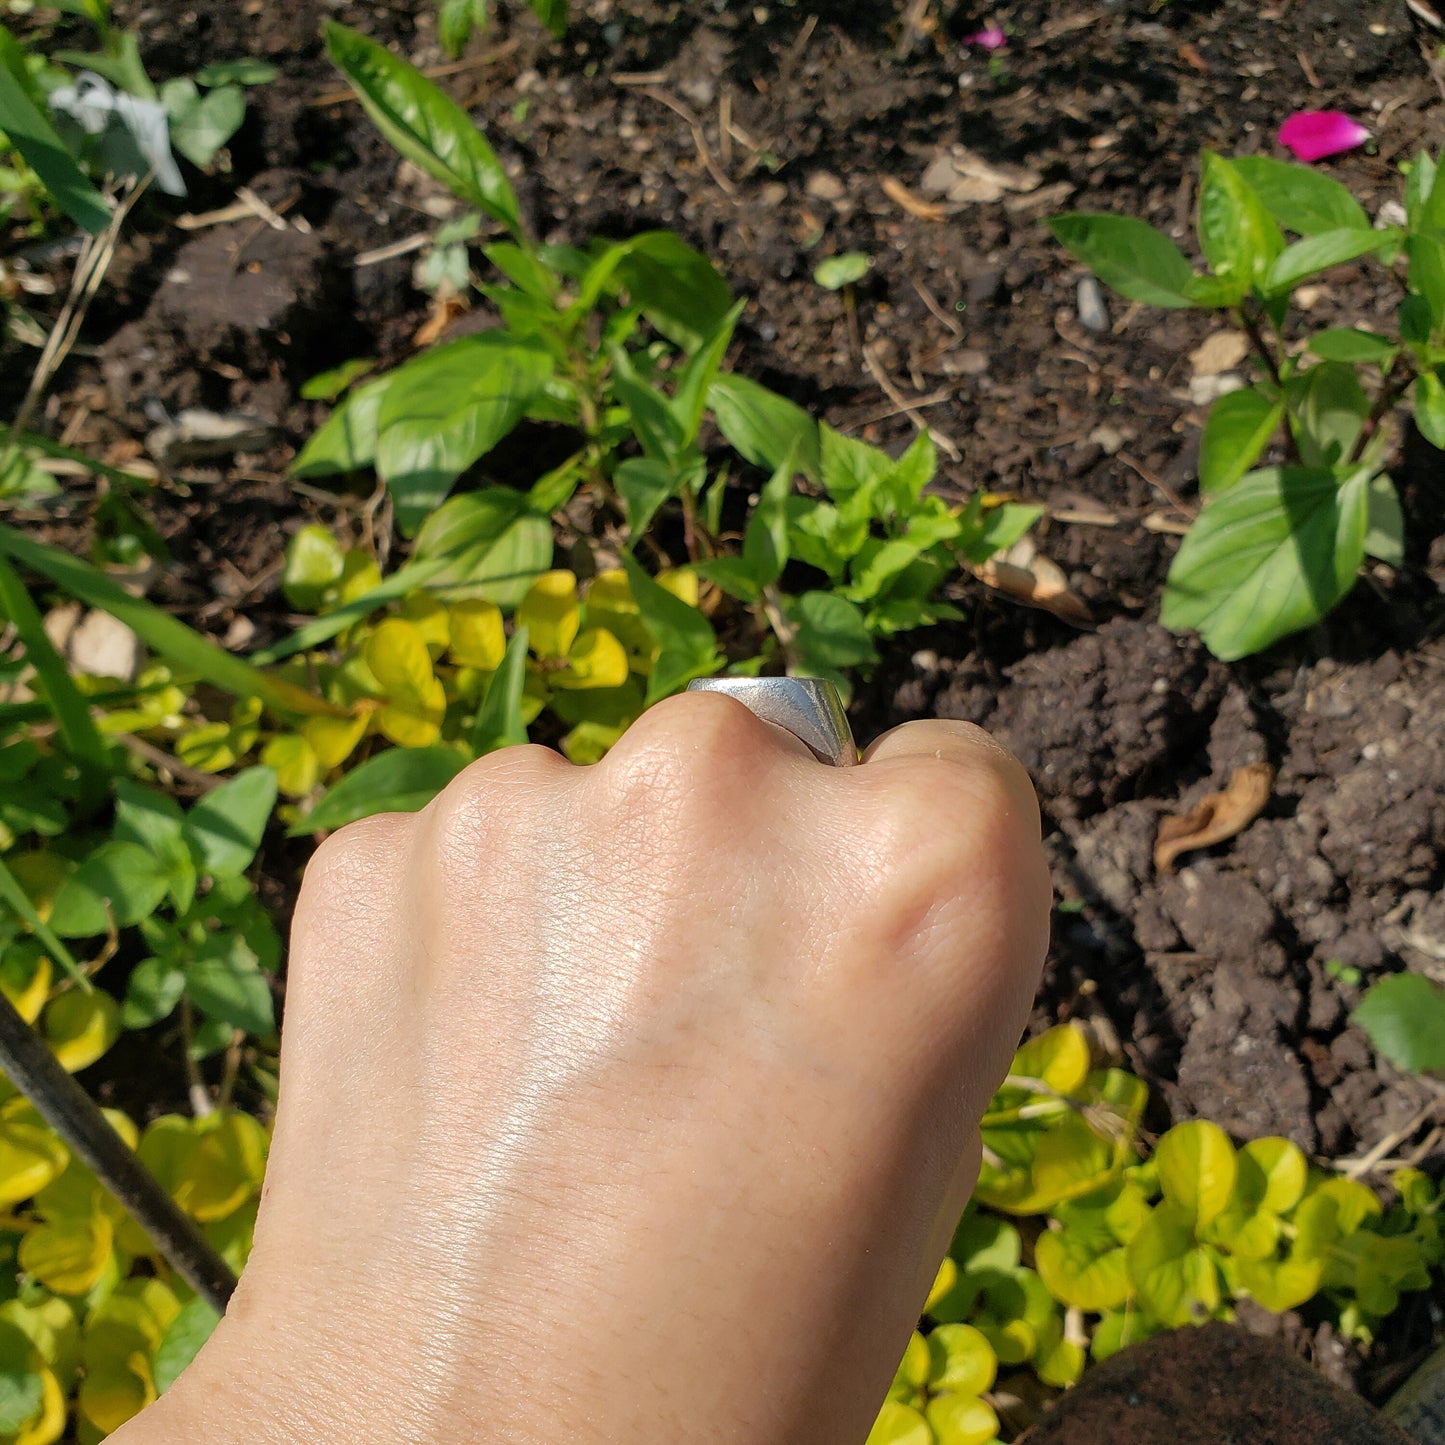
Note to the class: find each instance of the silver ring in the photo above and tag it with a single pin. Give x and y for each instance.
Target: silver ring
(807, 707)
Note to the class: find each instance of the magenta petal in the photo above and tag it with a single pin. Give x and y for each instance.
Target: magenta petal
(990, 39)
(1314, 134)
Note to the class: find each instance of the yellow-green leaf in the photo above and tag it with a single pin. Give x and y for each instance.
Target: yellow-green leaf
(1176, 1280)
(415, 725)
(1273, 1172)
(1282, 1284)
(30, 1153)
(596, 659)
(1060, 1057)
(962, 1419)
(477, 637)
(1086, 1278)
(899, 1424)
(25, 981)
(400, 661)
(551, 614)
(69, 1256)
(430, 618)
(961, 1359)
(297, 767)
(226, 1166)
(1196, 1168)
(334, 739)
(80, 1027)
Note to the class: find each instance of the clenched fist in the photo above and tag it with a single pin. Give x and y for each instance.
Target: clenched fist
(631, 1102)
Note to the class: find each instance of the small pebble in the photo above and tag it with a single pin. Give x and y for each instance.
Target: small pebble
(1093, 314)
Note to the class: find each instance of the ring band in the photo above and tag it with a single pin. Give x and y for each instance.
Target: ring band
(807, 707)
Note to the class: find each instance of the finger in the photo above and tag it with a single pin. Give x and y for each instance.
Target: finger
(962, 743)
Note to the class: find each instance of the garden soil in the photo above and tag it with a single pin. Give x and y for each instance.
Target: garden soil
(771, 135)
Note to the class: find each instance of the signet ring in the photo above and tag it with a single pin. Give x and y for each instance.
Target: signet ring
(807, 707)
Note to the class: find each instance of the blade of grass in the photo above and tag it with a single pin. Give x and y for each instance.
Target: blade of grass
(183, 647)
(12, 893)
(50, 448)
(70, 709)
(499, 719)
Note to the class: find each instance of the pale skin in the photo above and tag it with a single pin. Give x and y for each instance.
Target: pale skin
(631, 1102)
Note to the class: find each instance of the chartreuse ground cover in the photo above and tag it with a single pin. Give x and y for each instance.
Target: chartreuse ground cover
(1276, 547)
(705, 523)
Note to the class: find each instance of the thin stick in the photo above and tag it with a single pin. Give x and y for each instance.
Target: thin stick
(698, 138)
(893, 394)
(1353, 1168)
(157, 758)
(73, 1114)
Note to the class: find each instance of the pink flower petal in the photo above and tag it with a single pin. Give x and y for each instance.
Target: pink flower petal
(990, 39)
(1314, 134)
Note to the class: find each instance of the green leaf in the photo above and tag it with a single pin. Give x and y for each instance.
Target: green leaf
(154, 989)
(524, 269)
(765, 542)
(314, 562)
(552, 14)
(688, 644)
(764, 426)
(53, 681)
(689, 399)
(119, 881)
(1129, 255)
(1320, 252)
(425, 125)
(155, 822)
(644, 484)
(224, 827)
(842, 270)
(31, 133)
(1328, 410)
(1080, 1274)
(244, 70)
(182, 1342)
(1238, 429)
(16, 898)
(1196, 1169)
(1427, 275)
(1301, 198)
(1176, 1280)
(334, 381)
(899, 1424)
(456, 20)
(1385, 538)
(832, 633)
(346, 440)
(1419, 188)
(1236, 233)
(1349, 343)
(1404, 1015)
(400, 780)
(224, 981)
(653, 420)
(499, 722)
(180, 645)
(22, 1390)
(1268, 557)
(1428, 395)
(201, 124)
(676, 288)
(448, 407)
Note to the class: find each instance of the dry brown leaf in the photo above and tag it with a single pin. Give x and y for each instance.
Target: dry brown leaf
(1216, 817)
(445, 310)
(960, 175)
(1031, 578)
(925, 210)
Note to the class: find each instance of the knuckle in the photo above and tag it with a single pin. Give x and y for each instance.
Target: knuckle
(682, 742)
(497, 791)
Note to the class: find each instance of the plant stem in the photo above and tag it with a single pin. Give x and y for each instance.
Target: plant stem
(1390, 393)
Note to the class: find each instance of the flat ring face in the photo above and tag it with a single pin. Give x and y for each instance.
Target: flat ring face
(807, 707)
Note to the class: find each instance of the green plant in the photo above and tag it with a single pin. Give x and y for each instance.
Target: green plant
(1275, 548)
(458, 19)
(621, 347)
(1404, 1015)
(1121, 1246)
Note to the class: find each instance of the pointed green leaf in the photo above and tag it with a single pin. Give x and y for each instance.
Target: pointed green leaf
(400, 780)
(1238, 429)
(1301, 198)
(1129, 255)
(426, 126)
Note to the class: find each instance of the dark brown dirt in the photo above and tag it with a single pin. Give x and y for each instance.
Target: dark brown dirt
(1209, 1386)
(1223, 981)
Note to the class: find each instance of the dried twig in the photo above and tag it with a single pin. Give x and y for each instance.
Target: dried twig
(891, 391)
(698, 138)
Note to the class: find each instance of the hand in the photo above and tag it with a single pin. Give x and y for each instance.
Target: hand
(636, 1101)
